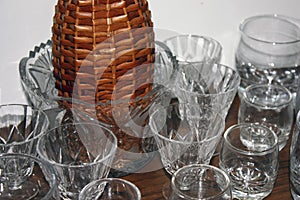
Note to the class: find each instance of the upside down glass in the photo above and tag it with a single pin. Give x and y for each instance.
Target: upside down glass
(200, 182)
(269, 51)
(269, 105)
(80, 153)
(249, 155)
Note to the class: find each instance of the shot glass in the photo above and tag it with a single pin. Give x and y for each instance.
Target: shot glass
(80, 153)
(201, 181)
(249, 155)
(26, 177)
(185, 134)
(20, 128)
(295, 161)
(110, 189)
(271, 106)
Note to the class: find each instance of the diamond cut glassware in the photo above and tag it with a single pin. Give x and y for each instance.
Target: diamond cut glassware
(194, 48)
(208, 84)
(20, 127)
(26, 177)
(185, 133)
(80, 153)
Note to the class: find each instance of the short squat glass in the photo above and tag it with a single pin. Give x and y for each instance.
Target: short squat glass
(110, 189)
(200, 182)
(271, 106)
(249, 155)
(25, 177)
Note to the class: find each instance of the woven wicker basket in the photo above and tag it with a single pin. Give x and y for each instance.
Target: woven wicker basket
(103, 53)
(98, 44)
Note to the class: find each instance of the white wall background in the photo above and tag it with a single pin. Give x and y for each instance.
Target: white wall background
(26, 23)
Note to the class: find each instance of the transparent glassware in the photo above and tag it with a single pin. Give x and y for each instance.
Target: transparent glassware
(200, 182)
(194, 48)
(269, 51)
(250, 156)
(110, 189)
(271, 106)
(79, 153)
(294, 174)
(20, 127)
(26, 177)
(206, 83)
(185, 134)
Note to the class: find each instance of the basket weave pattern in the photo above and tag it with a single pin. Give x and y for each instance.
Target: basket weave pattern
(98, 46)
(103, 51)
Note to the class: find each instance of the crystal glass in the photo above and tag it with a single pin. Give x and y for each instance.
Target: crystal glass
(110, 189)
(270, 105)
(200, 182)
(185, 134)
(295, 160)
(249, 155)
(209, 84)
(21, 126)
(194, 48)
(80, 153)
(26, 177)
(269, 51)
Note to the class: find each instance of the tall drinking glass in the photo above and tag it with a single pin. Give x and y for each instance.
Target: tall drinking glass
(269, 51)
(249, 155)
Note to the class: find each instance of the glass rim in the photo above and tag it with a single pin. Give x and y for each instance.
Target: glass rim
(111, 153)
(205, 166)
(282, 18)
(40, 112)
(217, 114)
(108, 180)
(53, 179)
(223, 66)
(280, 87)
(227, 142)
(190, 36)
